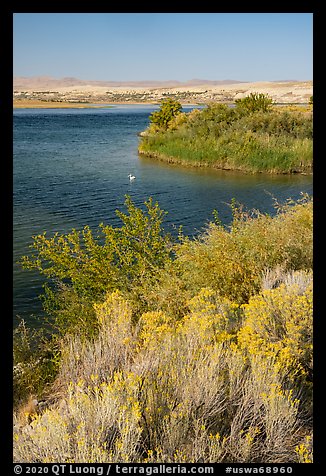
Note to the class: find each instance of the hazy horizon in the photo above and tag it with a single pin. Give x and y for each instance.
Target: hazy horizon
(154, 79)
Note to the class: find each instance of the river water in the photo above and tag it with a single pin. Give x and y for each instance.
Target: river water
(71, 168)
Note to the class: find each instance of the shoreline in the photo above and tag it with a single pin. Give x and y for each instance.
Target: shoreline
(205, 165)
(35, 104)
(72, 105)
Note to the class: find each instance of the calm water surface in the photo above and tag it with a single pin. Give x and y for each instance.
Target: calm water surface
(71, 168)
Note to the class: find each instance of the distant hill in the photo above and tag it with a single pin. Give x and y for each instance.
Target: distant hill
(46, 90)
(48, 82)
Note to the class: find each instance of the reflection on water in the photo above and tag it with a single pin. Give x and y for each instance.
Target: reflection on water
(71, 169)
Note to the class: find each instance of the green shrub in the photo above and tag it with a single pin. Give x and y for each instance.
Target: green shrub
(81, 267)
(253, 140)
(169, 109)
(255, 102)
(231, 261)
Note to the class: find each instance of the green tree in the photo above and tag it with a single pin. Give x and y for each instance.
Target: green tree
(254, 102)
(169, 109)
(81, 267)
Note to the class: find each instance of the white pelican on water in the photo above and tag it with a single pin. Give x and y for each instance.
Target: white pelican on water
(131, 177)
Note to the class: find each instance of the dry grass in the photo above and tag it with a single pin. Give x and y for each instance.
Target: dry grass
(165, 390)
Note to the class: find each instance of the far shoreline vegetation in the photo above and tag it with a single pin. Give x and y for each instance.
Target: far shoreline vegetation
(253, 136)
(257, 135)
(37, 103)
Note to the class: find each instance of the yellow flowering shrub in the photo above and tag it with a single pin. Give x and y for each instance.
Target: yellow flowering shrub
(211, 317)
(211, 386)
(305, 450)
(155, 327)
(278, 322)
(110, 350)
(231, 260)
(98, 423)
(114, 309)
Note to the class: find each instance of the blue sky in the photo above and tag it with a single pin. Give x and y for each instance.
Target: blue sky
(163, 46)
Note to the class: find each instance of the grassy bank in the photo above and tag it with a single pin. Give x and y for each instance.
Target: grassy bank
(272, 141)
(164, 351)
